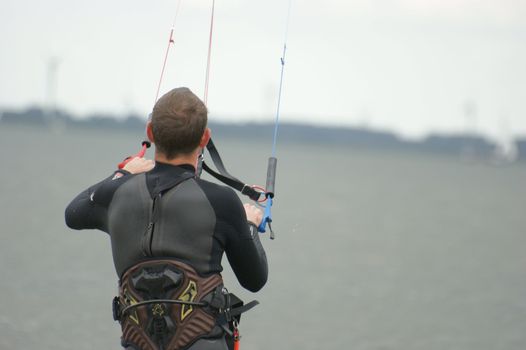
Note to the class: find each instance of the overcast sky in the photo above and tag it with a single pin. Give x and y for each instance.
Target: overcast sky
(412, 66)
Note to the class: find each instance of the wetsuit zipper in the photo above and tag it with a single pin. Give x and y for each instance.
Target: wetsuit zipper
(148, 236)
(147, 240)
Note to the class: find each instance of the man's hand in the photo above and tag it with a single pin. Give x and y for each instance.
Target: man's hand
(254, 214)
(139, 165)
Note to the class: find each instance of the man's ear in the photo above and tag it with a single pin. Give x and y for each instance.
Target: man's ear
(205, 138)
(149, 132)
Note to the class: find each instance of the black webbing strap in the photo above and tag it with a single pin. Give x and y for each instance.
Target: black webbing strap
(224, 176)
(241, 309)
(230, 312)
(160, 301)
(218, 162)
(171, 184)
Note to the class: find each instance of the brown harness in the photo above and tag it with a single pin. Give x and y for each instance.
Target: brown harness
(166, 305)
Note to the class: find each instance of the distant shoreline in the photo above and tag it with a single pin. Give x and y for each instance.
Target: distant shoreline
(463, 145)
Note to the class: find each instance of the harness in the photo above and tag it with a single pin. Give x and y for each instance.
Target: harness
(164, 304)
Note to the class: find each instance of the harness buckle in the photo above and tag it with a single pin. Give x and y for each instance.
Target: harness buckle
(116, 309)
(250, 192)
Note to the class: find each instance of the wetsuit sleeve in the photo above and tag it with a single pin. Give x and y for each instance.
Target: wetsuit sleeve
(244, 250)
(89, 210)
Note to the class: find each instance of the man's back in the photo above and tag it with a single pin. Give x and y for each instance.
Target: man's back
(196, 221)
(166, 215)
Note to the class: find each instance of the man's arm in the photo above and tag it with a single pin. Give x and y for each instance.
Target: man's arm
(249, 261)
(243, 248)
(89, 210)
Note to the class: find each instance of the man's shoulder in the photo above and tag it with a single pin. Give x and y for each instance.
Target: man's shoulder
(104, 194)
(217, 191)
(224, 200)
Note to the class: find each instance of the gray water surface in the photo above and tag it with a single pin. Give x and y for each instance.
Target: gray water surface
(373, 250)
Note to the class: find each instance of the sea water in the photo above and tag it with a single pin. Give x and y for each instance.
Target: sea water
(373, 250)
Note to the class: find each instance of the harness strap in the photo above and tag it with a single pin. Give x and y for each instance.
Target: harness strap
(172, 183)
(224, 176)
(242, 309)
(216, 158)
(231, 312)
(161, 301)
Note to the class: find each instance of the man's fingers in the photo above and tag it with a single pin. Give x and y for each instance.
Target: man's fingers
(139, 165)
(254, 214)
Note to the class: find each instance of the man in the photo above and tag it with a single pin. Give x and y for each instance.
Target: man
(169, 230)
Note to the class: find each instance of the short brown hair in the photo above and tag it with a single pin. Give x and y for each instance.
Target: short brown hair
(178, 122)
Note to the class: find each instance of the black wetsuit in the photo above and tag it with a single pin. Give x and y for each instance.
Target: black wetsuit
(209, 220)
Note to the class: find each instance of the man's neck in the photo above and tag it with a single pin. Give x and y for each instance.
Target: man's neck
(178, 160)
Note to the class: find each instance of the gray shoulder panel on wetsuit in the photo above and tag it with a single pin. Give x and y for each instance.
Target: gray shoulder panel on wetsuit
(128, 217)
(185, 229)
